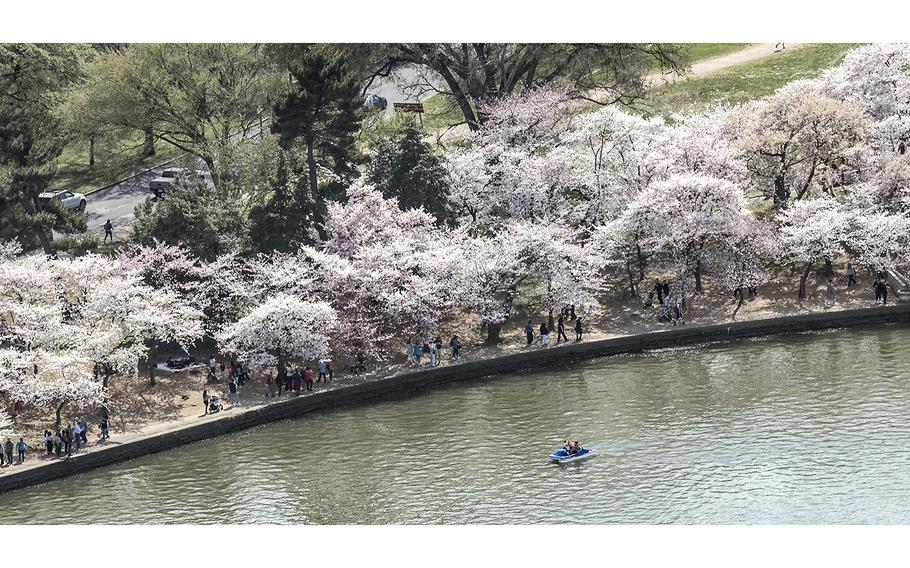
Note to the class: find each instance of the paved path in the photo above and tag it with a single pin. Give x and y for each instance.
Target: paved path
(714, 64)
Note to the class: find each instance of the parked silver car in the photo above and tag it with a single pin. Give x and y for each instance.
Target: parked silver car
(167, 178)
(64, 198)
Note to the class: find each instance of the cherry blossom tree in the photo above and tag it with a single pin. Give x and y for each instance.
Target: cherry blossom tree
(792, 136)
(278, 330)
(811, 231)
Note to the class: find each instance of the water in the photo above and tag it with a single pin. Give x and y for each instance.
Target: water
(803, 429)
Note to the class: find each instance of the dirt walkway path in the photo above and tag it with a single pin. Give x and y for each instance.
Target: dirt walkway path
(714, 64)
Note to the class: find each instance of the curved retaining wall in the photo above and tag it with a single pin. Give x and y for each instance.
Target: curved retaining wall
(402, 385)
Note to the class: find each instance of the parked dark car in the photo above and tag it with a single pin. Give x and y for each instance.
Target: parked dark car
(180, 361)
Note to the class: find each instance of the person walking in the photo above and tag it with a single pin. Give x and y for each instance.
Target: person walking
(433, 354)
(678, 311)
(408, 353)
(884, 288)
(877, 287)
(455, 344)
(328, 367)
(830, 298)
(48, 442)
(8, 447)
(544, 335)
(529, 332)
(851, 275)
(578, 329)
(84, 426)
(232, 388)
(561, 329)
(418, 354)
(58, 443)
(77, 435)
(297, 381)
(21, 447)
(323, 371)
(308, 379)
(205, 400)
(108, 231)
(105, 433)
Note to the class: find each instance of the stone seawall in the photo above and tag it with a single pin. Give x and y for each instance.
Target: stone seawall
(403, 384)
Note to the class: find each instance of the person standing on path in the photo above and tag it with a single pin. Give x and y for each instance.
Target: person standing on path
(48, 442)
(544, 335)
(77, 435)
(323, 371)
(578, 329)
(205, 400)
(108, 231)
(433, 354)
(21, 447)
(9, 451)
(232, 387)
(529, 332)
(455, 344)
(884, 288)
(308, 378)
(105, 433)
(830, 298)
(58, 443)
(561, 330)
(418, 354)
(408, 352)
(877, 287)
(851, 275)
(84, 425)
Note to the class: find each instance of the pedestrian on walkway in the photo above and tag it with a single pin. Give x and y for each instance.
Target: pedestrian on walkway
(205, 400)
(308, 378)
(21, 447)
(455, 344)
(108, 231)
(48, 442)
(578, 329)
(323, 371)
(8, 447)
(884, 287)
(408, 353)
(232, 388)
(68, 441)
(328, 367)
(77, 435)
(830, 298)
(561, 330)
(433, 354)
(529, 332)
(58, 443)
(84, 426)
(105, 433)
(544, 335)
(851, 275)
(418, 354)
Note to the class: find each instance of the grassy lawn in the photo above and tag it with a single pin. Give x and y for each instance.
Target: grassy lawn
(749, 80)
(702, 51)
(115, 158)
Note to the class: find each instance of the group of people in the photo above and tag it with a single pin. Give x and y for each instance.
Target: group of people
(560, 331)
(59, 442)
(571, 447)
(415, 351)
(669, 311)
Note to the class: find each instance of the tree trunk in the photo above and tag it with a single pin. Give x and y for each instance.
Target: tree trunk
(802, 281)
(550, 322)
(210, 164)
(829, 268)
(311, 168)
(91, 151)
(59, 410)
(698, 275)
(781, 195)
(148, 148)
(153, 354)
(632, 291)
(493, 332)
(641, 263)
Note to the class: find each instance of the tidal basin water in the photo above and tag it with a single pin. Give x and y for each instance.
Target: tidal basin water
(810, 428)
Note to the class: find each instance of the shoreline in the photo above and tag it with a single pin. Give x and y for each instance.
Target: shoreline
(406, 384)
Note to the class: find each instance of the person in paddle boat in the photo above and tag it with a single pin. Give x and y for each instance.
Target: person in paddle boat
(567, 446)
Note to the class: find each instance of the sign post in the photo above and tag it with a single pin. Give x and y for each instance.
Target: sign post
(410, 107)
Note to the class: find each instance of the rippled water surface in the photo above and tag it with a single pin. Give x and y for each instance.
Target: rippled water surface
(801, 429)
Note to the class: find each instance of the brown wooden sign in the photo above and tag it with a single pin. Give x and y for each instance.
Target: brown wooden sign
(408, 107)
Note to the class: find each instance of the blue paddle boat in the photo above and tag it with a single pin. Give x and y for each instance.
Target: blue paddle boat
(564, 456)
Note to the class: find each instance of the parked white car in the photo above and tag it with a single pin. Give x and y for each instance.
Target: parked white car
(167, 178)
(64, 198)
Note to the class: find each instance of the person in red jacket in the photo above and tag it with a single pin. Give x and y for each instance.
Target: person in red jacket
(308, 378)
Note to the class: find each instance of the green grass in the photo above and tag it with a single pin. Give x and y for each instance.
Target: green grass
(440, 112)
(748, 81)
(115, 158)
(701, 51)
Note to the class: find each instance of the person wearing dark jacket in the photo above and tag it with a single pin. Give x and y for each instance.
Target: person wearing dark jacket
(578, 329)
